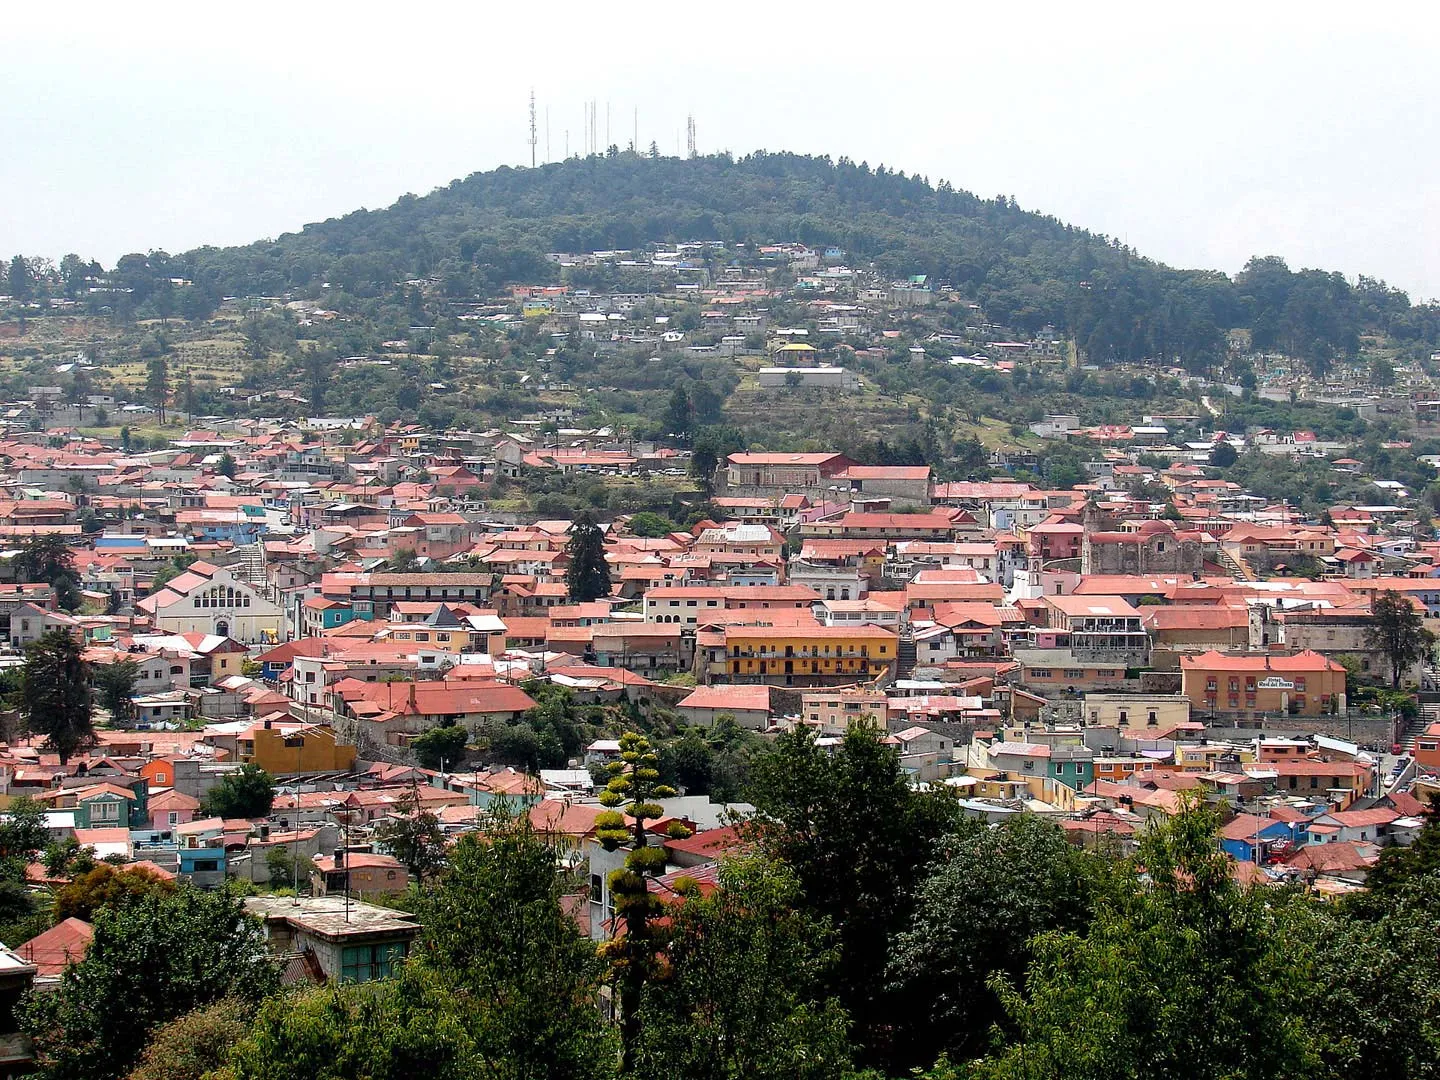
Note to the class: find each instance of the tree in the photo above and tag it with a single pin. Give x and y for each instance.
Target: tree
(1183, 971)
(1374, 1001)
(634, 783)
(280, 865)
(227, 466)
(149, 962)
(743, 995)
(104, 885)
(689, 761)
(197, 1044)
(157, 384)
(115, 689)
(497, 937)
(991, 891)
(1223, 455)
(587, 577)
(650, 524)
(45, 558)
(387, 1029)
(21, 279)
(22, 830)
(680, 415)
(1400, 867)
(404, 561)
(413, 835)
(67, 856)
(1399, 632)
(442, 745)
(55, 694)
(248, 792)
(859, 839)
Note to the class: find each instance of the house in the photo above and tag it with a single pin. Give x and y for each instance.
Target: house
(1353, 826)
(1101, 628)
(54, 950)
(1250, 837)
(106, 806)
(748, 705)
(170, 808)
(834, 711)
(1154, 711)
(283, 748)
(359, 873)
(336, 937)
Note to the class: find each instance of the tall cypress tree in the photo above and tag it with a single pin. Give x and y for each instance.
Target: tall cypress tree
(588, 575)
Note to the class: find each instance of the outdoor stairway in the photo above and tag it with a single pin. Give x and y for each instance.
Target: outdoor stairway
(904, 656)
(251, 567)
(1429, 714)
(1234, 560)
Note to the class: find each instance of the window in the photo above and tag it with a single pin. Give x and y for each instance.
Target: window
(105, 811)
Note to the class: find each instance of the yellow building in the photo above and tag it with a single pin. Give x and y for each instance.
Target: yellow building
(283, 748)
(805, 655)
(481, 634)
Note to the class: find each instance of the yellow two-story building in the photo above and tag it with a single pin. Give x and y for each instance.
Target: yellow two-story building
(803, 655)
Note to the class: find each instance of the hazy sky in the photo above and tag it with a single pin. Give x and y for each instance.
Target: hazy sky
(1201, 134)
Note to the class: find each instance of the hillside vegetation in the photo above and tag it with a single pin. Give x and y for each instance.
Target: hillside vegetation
(1024, 269)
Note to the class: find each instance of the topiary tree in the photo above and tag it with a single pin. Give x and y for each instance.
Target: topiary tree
(634, 784)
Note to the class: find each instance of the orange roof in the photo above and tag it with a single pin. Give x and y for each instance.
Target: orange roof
(63, 944)
(1307, 661)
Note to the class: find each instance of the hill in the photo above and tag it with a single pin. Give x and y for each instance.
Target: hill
(1025, 270)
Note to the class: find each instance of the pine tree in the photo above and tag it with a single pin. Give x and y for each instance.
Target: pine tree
(634, 784)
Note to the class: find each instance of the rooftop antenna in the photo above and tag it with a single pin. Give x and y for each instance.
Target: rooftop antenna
(690, 135)
(532, 127)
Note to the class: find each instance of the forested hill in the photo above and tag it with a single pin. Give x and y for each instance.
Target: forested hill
(1025, 269)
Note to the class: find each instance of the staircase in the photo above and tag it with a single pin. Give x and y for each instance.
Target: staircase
(904, 656)
(1233, 559)
(251, 567)
(1429, 714)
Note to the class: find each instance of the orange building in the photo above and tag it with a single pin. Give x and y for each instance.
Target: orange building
(1303, 684)
(1427, 747)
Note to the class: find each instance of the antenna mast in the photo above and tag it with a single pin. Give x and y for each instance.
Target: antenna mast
(532, 127)
(690, 135)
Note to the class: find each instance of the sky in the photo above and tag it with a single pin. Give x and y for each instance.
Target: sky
(1199, 134)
